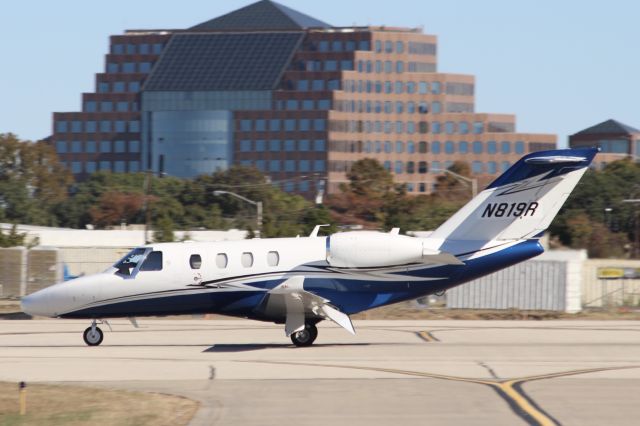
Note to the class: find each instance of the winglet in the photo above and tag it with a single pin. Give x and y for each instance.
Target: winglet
(316, 229)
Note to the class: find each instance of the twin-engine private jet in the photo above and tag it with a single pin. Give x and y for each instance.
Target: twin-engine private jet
(299, 282)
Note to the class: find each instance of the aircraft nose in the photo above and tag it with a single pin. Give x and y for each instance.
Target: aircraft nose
(37, 304)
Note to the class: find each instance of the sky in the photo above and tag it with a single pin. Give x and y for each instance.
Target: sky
(560, 66)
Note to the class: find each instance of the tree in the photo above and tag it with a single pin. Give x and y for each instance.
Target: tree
(450, 187)
(163, 232)
(13, 238)
(32, 181)
(117, 207)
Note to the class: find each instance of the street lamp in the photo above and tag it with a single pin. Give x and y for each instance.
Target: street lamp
(472, 181)
(258, 205)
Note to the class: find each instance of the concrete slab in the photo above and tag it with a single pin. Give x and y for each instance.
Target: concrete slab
(441, 372)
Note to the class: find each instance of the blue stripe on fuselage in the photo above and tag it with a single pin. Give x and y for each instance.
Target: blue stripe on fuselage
(349, 295)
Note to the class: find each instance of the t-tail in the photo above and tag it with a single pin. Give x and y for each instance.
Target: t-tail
(518, 205)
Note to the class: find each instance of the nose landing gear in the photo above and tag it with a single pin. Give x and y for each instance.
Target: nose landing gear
(93, 335)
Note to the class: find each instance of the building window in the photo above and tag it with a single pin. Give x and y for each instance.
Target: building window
(120, 146)
(399, 67)
(478, 127)
(105, 126)
(134, 166)
(505, 166)
(435, 167)
(435, 147)
(436, 107)
(134, 146)
(398, 167)
(119, 126)
(289, 125)
(61, 147)
(319, 166)
(411, 127)
(106, 106)
(118, 87)
(388, 46)
(144, 67)
(411, 147)
(463, 147)
(157, 48)
(317, 85)
(519, 147)
(289, 166)
(128, 67)
(463, 127)
(90, 106)
(90, 146)
(399, 47)
(131, 49)
(477, 147)
(505, 147)
(117, 49)
(122, 106)
(291, 104)
(492, 167)
(422, 167)
(319, 145)
(274, 145)
(274, 165)
(76, 167)
(304, 124)
(134, 86)
(378, 46)
(119, 166)
(364, 45)
(90, 126)
(476, 167)
(492, 147)
(103, 87)
(323, 46)
(449, 147)
(435, 127)
(143, 49)
(423, 147)
(245, 125)
(105, 166)
(245, 145)
(436, 88)
(304, 166)
(90, 166)
(260, 165)
(274, 125)
(411, 167)
(105, 146)
(449, 127)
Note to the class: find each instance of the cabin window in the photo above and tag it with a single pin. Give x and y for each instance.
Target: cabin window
(195, 261)
(273, 258)
(222, 260)
(153, 262)
(247, 259)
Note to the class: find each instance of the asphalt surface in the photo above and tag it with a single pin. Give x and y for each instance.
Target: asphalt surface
(406, 372)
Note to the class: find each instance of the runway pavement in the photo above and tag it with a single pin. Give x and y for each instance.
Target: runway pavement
(391, 372)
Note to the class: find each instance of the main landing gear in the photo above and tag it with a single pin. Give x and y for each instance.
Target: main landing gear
(305, 337)
(93, 335)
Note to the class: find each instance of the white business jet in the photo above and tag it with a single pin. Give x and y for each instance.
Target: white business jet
(299, 282)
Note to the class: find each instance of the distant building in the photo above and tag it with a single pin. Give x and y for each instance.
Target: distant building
(269, 87)
(616, 141)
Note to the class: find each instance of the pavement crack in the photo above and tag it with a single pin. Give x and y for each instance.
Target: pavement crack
(489, 369)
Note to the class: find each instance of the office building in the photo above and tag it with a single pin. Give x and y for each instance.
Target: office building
(301, 100)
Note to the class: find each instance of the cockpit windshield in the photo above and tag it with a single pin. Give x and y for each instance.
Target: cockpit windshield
(127, 265)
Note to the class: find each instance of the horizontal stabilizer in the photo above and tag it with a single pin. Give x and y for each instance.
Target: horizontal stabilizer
(440, 257)
(556, 159)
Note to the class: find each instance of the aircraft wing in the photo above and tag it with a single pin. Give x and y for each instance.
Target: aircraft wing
(298, 302)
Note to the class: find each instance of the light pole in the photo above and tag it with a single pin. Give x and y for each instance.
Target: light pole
(258, 205)
(472, 181)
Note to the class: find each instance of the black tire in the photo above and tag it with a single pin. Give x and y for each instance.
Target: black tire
(305, 337)
(93, 339)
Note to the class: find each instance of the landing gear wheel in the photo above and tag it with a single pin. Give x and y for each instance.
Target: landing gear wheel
(305, 337)
(93, 336)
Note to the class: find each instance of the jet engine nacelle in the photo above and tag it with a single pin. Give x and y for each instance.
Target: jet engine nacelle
(368, 249)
